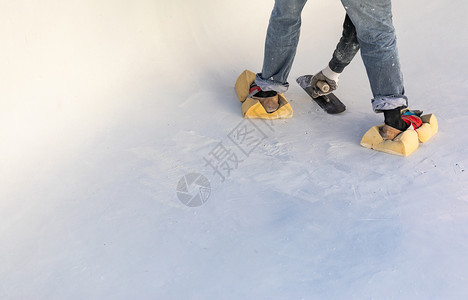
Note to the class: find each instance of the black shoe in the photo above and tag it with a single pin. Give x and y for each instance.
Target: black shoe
(393, 119)
(256, 91)
(269, 100)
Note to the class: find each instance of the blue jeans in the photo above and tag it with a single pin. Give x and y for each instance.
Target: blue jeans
(375, 33)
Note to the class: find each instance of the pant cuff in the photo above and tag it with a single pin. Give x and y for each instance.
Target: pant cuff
(271, 85)
(380, 104)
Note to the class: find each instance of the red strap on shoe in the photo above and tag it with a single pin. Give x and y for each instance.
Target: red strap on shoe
(255, 88)
(412, 120)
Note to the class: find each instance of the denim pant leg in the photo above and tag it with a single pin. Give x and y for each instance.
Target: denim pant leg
(280, 45)
(346, 48)
(377, 39)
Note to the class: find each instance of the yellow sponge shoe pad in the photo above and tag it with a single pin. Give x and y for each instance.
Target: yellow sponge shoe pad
(429, 127)
(252, 108)
(406, 142)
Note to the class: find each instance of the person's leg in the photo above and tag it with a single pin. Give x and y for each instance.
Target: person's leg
(346, 48)
(280, 45)
(377, 39)
(344, 53)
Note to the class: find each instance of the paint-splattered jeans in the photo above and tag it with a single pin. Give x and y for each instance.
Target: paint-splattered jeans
(368, 26)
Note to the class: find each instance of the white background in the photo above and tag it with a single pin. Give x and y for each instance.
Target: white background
(105, 105)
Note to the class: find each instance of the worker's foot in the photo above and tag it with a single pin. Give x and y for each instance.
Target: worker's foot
(268, 99)
(398, 120)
